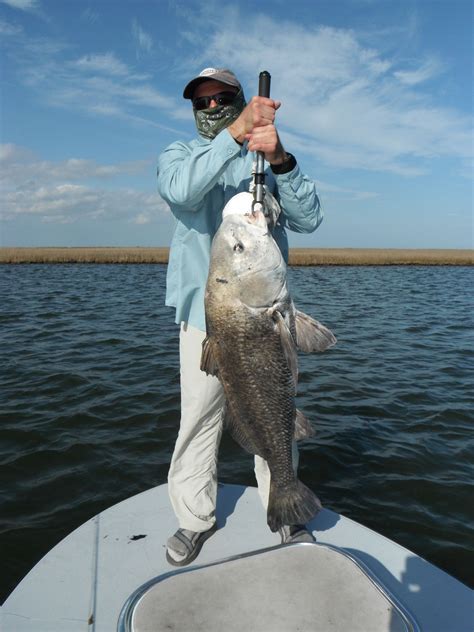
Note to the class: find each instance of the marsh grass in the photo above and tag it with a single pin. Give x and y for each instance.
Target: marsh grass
(84, 255)
(378, 257)
(298, 256)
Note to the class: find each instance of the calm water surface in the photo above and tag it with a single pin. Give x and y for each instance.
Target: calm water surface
(90, 402)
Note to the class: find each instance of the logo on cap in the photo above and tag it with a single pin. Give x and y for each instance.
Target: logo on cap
(208, 71)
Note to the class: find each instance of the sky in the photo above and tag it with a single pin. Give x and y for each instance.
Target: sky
(376, 107)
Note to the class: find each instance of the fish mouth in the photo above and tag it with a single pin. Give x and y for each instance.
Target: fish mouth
(257, 218)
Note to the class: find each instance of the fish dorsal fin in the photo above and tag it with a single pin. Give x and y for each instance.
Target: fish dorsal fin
(288, 345)
(208, 360)
(303, 429)
(312, 335)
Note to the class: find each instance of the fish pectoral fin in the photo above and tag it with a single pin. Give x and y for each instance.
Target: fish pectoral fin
(303, 429)
(312, 335)
(208, 360)
(288, 346)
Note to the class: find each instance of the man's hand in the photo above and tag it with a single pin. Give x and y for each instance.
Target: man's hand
(258, 113)
(255, 124)
(266, 139)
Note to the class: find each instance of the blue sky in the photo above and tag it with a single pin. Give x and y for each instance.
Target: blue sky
(376, 106)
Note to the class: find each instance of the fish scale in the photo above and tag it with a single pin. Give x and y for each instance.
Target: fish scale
(251, 379)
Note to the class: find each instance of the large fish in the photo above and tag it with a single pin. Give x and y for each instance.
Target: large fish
(253, 333)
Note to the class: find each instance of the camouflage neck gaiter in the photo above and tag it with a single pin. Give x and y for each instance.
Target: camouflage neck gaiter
(213, 120)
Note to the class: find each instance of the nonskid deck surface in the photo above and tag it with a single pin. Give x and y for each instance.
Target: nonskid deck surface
(288, 588)
(83, 583)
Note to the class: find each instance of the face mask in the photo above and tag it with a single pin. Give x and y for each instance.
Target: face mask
(213, 120)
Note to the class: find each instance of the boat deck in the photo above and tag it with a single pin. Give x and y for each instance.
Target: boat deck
(83, 582)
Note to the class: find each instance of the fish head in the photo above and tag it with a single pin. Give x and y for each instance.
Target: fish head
(247, 261)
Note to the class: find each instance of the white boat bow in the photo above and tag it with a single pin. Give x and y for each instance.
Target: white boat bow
(86, 581)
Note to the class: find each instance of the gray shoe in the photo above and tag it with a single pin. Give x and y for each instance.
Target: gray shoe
(184, 546)
(295, 533)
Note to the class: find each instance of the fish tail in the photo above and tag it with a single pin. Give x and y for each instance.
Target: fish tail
(290, 505)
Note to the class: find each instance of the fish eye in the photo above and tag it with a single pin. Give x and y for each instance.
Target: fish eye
(239, 246)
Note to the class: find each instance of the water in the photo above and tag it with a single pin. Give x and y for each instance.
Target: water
(90, 402)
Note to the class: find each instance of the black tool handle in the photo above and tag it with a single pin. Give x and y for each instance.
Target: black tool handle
(264, 84)
(259, 176)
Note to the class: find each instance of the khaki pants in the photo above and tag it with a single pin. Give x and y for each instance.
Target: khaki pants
(192, 477)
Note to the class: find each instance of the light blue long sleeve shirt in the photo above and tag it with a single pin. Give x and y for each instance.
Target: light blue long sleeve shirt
(197, 179)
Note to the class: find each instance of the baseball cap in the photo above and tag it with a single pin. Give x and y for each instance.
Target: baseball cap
(216, 74)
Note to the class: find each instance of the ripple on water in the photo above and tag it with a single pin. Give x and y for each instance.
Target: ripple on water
(91, 402)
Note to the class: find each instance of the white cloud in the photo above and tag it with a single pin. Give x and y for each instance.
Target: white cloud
(143, 40)
(336, 191)
(106, 63)
(105, 109)
(344, 103)
(427, 70)
(23, 5)
(12, 153)
(60, 191)
(17, 161)
(8, 29)
(142, 218)
(71, 202)
(146, 95)
(99, 84)
(91, 16)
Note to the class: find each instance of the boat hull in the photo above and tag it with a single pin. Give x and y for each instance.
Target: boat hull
(88, 577)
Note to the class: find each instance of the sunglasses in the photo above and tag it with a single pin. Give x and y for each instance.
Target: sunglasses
(222, 98)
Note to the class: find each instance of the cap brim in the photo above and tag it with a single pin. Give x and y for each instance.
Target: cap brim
(192, 85)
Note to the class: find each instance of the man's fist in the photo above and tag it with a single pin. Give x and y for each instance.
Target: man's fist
(266, 139)
(259, 112)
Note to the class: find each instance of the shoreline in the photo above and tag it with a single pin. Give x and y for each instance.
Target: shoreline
(297, 256)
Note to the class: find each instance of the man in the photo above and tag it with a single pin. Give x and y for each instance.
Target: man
(197, 179)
